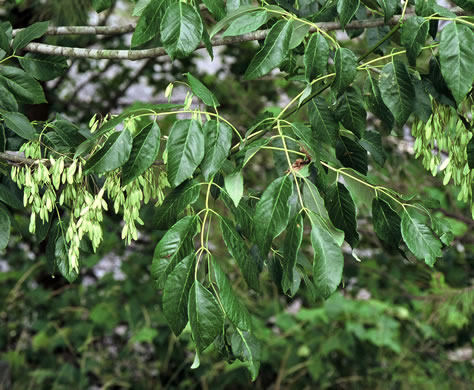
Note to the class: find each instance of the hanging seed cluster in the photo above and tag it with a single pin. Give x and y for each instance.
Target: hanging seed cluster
(445, 134)
(49, 183)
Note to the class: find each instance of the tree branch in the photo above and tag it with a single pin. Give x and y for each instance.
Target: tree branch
(159, 51)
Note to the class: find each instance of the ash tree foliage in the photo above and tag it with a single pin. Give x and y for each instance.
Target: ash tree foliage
(195, 173)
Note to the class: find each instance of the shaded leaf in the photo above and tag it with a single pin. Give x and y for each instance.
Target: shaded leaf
(7, 100)
(5, 227)
(372, 142)
(323, 122)
(24, 87)
(25, 36)
(374, 102)
(145, 148)
(352, 155)
(413, 36)
(350, 111)
(176, 294)
(389, 7)
(216, 8)
(9, 198)
(43, 67)
(386, 222)
(101, 5)
(293, 238)
(345, 64)
(346, 10)
(19, 124)
(316, 56)
(307, 141)
(422, 103)
(148, 25)
(247, 349)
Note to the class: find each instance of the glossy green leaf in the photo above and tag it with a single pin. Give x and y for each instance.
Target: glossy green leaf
(374, 102)
(456, 51)
(413, 36)
(19, 124)
(5, 226)
(328, 261)
(372, 142)
(148, 25)
(174, 246)
(24, 87)
(139, 7)
(345, 64)
(422, 103)
(234, 309)
(175, 203)
(239, 251)
(25, 36)
(247, 348)
(233, 14)
(234, 185)
(9, 198)
(112, 155)
(389, 7)
(355, 183)
(397, 90)
(176, 294)
(386, 222)
(7, 100)
(352, 155)
(316, 56)
(43, 67)
(307, 141)
(216, 8)
(419, 238)
(4, 39)
(272, 213)
(205, 316)
(346, 10)
(243, 215)
(300, 30)
(341, 210)
(293, 238)
(273, 52)
(313, 200)
(246, 23)
(146, 145)
(185, 150)
(101, 5)
(202, 92)
(181, 30)
(68, 132)
(218, 140)
(323, 122)
(351, 112)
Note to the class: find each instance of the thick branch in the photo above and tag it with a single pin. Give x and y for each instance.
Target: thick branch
(157, 52)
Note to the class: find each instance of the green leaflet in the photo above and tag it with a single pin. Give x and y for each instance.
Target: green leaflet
(413, 36)
(202, 92)
(345, 64)
(5, 227)
(328, 261)
(419, 238)
(300, 29)
(316, 56)
(243, 215)
(57, 254)
(234, 185)
(175, 202)
(9, 198)
(205, 316)
(19, 124)
(350, 111)
(246, 23)
(176, 293)
(239, 251)
(185, 147)
(422, 108)
(4, 39)
(341, 210)
(101, 5)
(293, 238)
(470, 153)
(146, 146)
(24, 87)
(234, 309)
(346, 10)
(112, 155)
(247, 349)
(272, 212)
(233, 14)
(456, 52)
(148, 25)
(43, 67)
(139, 7)
(307, 141)
(217, 140)
(372, 142)
(7, 100)
(273, 52)
(26, 35)
(352, 155)
(386, 222)
(397, 90)
(360, 193)
(323, 122)
(181, 30)
(374, 102)
(313, 200)
(216, 8)
(389, 7)
(174, 246)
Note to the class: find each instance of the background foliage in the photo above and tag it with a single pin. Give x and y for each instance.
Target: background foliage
(394, 322)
